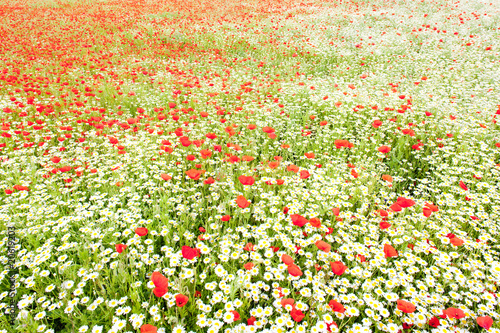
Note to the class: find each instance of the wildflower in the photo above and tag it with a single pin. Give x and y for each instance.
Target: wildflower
(463, 186)
(194, 174)
(336, 306)
(242, 202)
(384, 149)
(178, 329)
(434, 322)
(304, 174)
(209, 180)
(297, 315)
(405, 306)
(287, 301)
(323, 246)
(387, 178)
(298, 220)
(189, 253)
(120, 247)
(165, 177)
(485, 322)
(454, 313)
(294, 270)
(141, 231)
(389, 251)
(246, 180)
(338, 268)
(429, 209)
(286, 259)
(384, 225)
(161, 284)
(181, 300)
(405, 203)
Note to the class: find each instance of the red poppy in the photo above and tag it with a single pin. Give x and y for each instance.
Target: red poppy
(274, 164)
(376, 123)
(463, 186)
(336, 211)
(323, 246)
(485, 322)
(429, 209)
(246, 180)
(384, 225)
(309, 155)
(294, 270)
(242, 201)
(405, 203)
(55, 159)
(205, 153)
(384, 149)
(341, 143)
(315, 222)
(297, 315)
(304, 174)
(286, 259)
(249, 247)
(120, 247)
(336, 306)
(405, 306)
(236, 315)
(248, 266)
(389, 251)
(338, 268)
(298, 220)
(209, 181)
(161, 284)
(147, 328)
(456, 241)
(387, 178)
(434, 322)
(194, 174)
(251, 321)
(165, 177)
(188, 252)
(185, 142)
(226, 218)
(141, 231)
(181, 300)
(287, 301)
(268, 129)
(382, 212)
(396, 207)
(454, 313)
(292, 168)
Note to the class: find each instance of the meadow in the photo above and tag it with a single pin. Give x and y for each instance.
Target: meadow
(249, 166)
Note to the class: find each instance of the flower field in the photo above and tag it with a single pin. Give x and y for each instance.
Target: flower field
(249, 166)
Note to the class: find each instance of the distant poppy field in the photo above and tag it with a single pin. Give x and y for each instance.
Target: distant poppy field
(249, 166)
